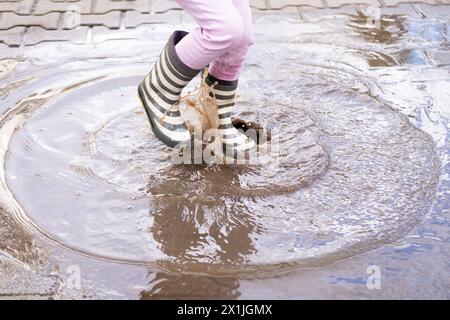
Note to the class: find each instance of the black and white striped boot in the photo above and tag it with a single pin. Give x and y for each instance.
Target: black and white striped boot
(160, 94)
(234, 140)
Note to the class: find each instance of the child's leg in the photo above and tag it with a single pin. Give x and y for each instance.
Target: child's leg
(221, 29)
(229, 65)
(223, 76)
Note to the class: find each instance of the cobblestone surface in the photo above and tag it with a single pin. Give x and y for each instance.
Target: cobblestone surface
(30, 22)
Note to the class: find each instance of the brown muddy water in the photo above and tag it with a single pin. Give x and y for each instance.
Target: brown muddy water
(92, 206)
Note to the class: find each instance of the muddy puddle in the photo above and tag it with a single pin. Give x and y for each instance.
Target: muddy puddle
(360, 117)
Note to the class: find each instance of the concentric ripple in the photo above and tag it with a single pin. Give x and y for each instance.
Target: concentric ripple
(350, 175)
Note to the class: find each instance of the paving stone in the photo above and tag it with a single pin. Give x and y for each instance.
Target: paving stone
(291, 13)
(110, 20)
(107, 14)
(158, 32)
(436, 12)
(35, 35)
(187, 19)
(12, 37)
(18, 282)
(440, 58)
(339, 3)
(400, 10)
(103, 6)
(314, 14)
(66, 0)
(396, 2)
(46, 6)
(10, 19)
(101, 34)
(8, 53)
(277, 4)
(288, 9)
(22, 7)
(133, 18)
(259, 4)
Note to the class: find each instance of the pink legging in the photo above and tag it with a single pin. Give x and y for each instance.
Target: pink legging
(221, 41)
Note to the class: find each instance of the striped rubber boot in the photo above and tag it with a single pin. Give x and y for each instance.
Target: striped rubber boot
(224, 92)
(160, 94)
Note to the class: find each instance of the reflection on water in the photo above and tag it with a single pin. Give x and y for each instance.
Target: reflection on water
(353, 172)
(389, 29)
(204, 229)
(167, 286)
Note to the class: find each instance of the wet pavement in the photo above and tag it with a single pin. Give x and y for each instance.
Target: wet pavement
(357, 96)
